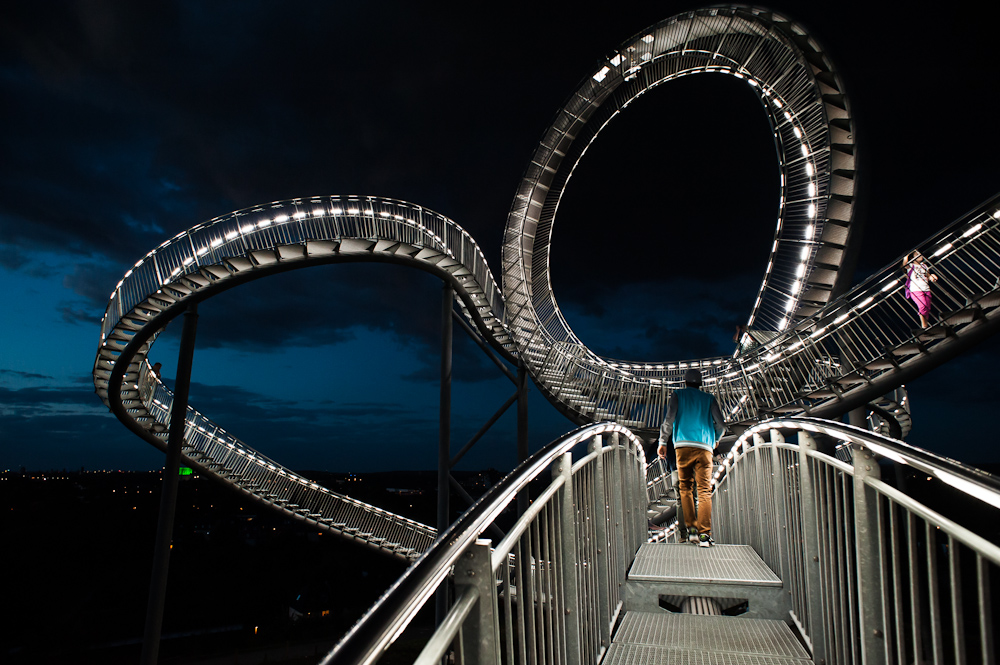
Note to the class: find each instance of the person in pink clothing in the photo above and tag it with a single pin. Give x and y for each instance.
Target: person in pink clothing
(918, 284)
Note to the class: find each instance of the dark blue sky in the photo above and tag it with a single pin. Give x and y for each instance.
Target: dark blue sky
(125, 124)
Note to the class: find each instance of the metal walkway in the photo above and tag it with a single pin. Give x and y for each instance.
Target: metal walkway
(728, 576)
(644, 638)
(823, 353)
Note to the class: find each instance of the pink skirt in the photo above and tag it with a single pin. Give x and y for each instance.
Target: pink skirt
(922, 300)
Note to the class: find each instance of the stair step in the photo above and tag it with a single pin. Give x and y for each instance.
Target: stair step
(657, 638)
(723, 564)
(720, 571)
(907, 349)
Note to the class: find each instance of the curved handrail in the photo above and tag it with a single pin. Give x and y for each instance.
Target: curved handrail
(249, 244)
(874, 570)
(390, 615)
(802, 95)
(832, 355)
(963, 477)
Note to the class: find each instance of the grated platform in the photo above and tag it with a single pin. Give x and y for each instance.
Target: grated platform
(720, 564)
(640, 654)
(646, 637)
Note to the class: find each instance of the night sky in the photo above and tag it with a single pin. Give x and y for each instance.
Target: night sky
(125, 123)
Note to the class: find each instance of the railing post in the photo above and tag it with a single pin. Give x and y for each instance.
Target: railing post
(781, 516)
(867, 534)
(568, 558)
(640, 518)
(481, 630)
(810, 536)
(601, 529)
(617, 517)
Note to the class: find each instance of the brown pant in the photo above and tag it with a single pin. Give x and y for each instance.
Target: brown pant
(694, 467)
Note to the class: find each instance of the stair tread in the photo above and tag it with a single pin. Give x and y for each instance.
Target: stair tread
(661, 638)
(684, 563)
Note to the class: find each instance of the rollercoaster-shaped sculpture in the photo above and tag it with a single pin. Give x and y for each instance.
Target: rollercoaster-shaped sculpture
(817, 350)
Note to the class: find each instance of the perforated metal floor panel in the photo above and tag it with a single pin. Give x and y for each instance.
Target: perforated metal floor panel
(639, 654)
(726, 564)
(706, 639)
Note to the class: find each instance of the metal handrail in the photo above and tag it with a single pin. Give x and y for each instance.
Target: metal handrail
(253, 242)
(549, 562)
(875, 574)
(864, 335)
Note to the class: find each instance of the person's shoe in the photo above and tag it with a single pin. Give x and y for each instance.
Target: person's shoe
(705, 540)
(693, 538)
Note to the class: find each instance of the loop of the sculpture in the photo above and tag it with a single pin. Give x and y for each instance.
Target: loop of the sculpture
(812, 130)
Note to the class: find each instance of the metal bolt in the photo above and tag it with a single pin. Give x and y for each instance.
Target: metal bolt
(470, 573)
(877, 633)
(816, 558)
(567, 610)
(868, 467)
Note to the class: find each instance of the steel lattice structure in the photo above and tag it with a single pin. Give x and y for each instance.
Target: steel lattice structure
(827, 353)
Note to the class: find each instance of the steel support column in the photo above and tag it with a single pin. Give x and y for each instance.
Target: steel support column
(522, 429)
(168, 497)
(444, 435)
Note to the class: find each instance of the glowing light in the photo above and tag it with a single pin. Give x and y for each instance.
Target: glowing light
(648, 39)
(972, 230)
(189, 260)
(284, 218)
(790, 304)
(809, 232)
(812, 189)
(804, 254)
(599, 76)
(796, 285)
(232, 234)
(264, 222)
(818, 332)
(248, 228)
(809, 168)
(840, 319)
(337, 211)
(890, 286)
(298, 215)
(319, 212)
(944, 248)
(617, 60)
(867, 301)
(798, 132)
(353, 211)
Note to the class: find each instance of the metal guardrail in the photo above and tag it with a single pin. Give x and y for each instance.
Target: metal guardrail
(853, 340)
(549, 591)
(875, 574)
(252, 242)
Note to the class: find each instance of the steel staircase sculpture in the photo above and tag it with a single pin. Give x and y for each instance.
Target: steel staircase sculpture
(827, 352)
